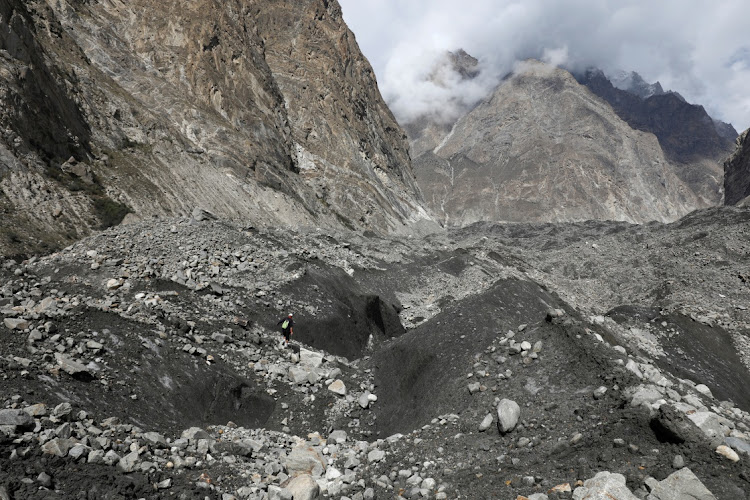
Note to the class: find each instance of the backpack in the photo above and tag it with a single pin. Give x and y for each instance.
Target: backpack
(285, 324)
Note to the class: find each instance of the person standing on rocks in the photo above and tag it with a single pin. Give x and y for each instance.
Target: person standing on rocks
(287, 328)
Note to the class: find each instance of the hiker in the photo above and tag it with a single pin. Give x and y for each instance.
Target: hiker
(287, 328)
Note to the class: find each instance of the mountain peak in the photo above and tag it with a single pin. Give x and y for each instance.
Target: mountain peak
(453, 67)
(555, 152)
(464, 64)
(686, 133)
(635, 84)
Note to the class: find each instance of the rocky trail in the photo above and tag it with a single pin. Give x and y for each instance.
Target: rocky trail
(497, 361)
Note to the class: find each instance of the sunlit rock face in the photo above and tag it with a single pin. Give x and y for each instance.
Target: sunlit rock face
(259, 111)
(543, 147)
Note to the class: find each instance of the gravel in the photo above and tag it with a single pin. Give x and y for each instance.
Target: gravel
(160, 372)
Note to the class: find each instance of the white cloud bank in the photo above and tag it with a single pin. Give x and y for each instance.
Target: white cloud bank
(698, 48)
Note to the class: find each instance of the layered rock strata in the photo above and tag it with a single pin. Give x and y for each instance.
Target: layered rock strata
(260, 111)
(544, 148)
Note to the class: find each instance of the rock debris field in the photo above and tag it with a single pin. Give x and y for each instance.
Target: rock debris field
(581, 360)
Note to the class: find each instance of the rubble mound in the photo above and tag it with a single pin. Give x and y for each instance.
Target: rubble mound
(535, 361)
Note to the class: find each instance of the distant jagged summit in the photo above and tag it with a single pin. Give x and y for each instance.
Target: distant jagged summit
(690, 138)
(464, 64)
(635, 84)
(686, 132)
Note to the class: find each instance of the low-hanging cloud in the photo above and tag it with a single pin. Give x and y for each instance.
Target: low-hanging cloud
(697, 48)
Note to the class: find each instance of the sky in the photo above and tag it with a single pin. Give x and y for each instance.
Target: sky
(698, 48)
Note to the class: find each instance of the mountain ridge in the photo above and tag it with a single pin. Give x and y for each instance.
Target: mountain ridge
(542, 147)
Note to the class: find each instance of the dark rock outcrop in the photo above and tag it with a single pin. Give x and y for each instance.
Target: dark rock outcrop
(737, 173)
(685, 131)
(635, 84)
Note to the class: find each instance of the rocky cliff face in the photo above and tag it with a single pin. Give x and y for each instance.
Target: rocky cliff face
(348, 145)
(690, 138)
(544, 148)
(737, 173)
(259, 111)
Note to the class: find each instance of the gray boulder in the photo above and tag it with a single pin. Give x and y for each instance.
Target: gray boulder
(58, 447)
(508, 413)
(486, 423)
(73, 368)
(375, 456)
(646, 395)
(303, 459)
(710, 423)
(200, 214)
(739, 445)
(673, 426)
(194, 434)
(16, 323)
(337, 437)
(298, 375)
(604, 485)
(19, 419)
(310, 358)
(338, 387)
(364, 400)
(155, 439)
(129, 462)
(681, 485)
(303, 487)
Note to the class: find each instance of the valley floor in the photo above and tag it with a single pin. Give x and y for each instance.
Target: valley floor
(495, 361)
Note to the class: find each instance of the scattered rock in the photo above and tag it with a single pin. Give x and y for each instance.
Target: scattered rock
(680, 485)
(200, 214)
(18, 419)
(673, 426)
(486, 423)
(114, 284)
(58, 447)
(304, 459)
(703, 389)
(364, 400)
(194, 434)
(375, 456)
(73, 368)
(16, 323)
(741, 446)
(604, 485)
(728, 452)
(508, 413)
(303, 487)
(338, 387)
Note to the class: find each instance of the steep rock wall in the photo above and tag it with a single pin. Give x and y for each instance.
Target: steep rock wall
(737, 173)
(159, 107)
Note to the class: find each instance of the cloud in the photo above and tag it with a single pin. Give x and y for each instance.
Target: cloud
(697, 48)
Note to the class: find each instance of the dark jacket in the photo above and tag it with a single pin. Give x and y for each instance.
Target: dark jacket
(288, 326)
